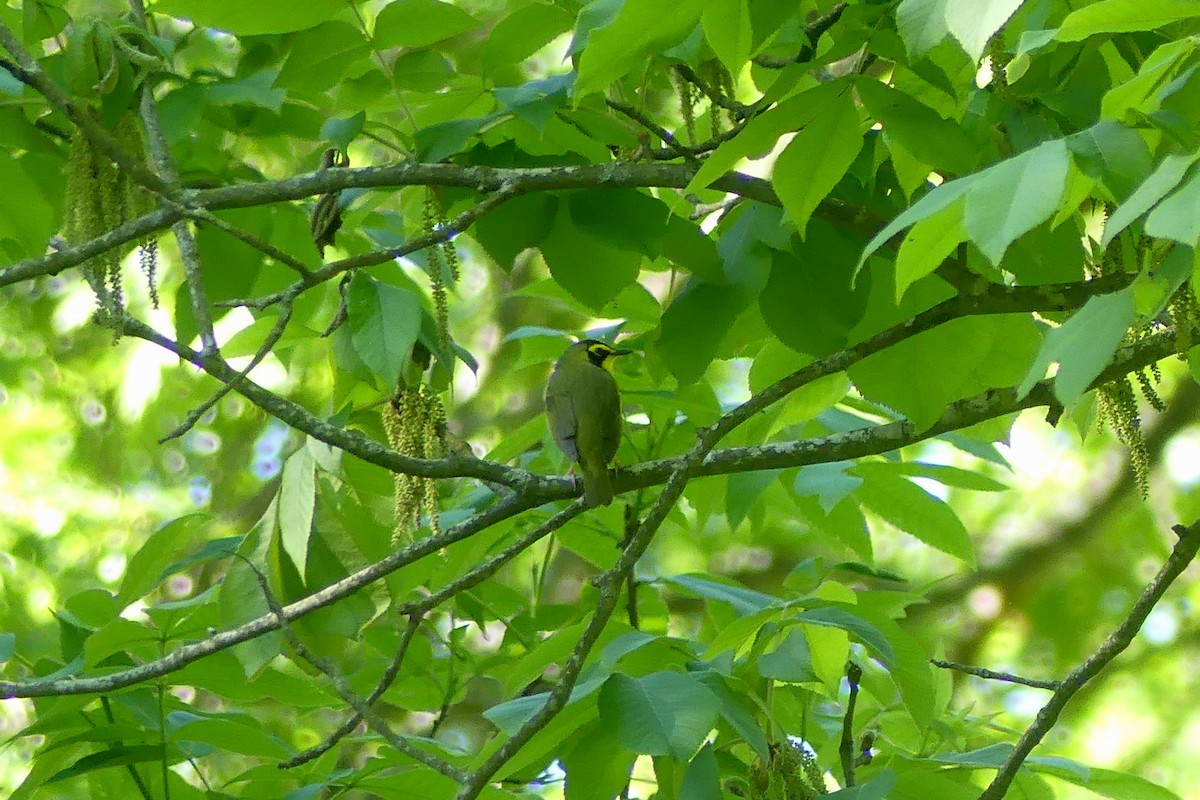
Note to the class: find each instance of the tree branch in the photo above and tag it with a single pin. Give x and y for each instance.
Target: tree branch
(812, 31)
(341, 686)
(1184, 551)
(508, 507)
(992, 675)
(385, 681)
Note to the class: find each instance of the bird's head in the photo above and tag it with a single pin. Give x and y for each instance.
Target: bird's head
(597, 352)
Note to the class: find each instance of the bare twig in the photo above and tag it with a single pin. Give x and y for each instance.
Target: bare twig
(992, 675)
(385, 681)
(846, 745)
(342, 686)
(482, 178)
(812, 31)
(1181, 556)
(257, 242)
(715, 96)
(664, 135)
(273, 337)
(533, 490)
(443, 233)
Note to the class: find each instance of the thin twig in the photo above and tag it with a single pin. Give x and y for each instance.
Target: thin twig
(385, 681)
(443, 233)
(629, 174)
(257, 242)
(812, 31)
(1181, 556)
(342, 686)
(664, 135)
(534, 490)
(846, 745)
(717, 98)
(992, 675)
(273, 337)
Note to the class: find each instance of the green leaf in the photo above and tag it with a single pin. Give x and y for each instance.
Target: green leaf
(664, 713)
(1104, 782)
(517, 225)
(957, 360)
(1175, 217)
(163, 548)
(727, 28)
(1165, 177)
(842, 616)
(241, 596)
(811, 302)
(974, 22)
(687, 246)
(762, 132)
(522, 33)
(919, 129)
(341, 131)
(927, 206)
(830, 482)
(1014, 196)
(8, 643)
(942, 473)
(419, 23)
(297, 506)
(741, 599)
(702, 778)
(116, 756)
(384, 322)
(915, 511)
(922, 24)
(1140, 93)
(624, 218)
(694, 325)
(1117, 16)
(737, 708)
(27, 214)
(246, 19)
(509, 716)
(817, 158)
(790, 661)
(320, 56)
(232, 735)
(597, 765)
(639, 28)
(927, 245)
(1083, 345)
(1112, 153)
(592, 270)
(878, 788)
(743, 492)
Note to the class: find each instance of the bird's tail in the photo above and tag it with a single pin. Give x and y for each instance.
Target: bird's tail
(597, 484)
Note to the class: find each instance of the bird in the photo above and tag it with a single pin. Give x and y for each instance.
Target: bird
(583, 409)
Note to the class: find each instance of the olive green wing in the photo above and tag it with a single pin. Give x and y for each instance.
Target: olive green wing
(560, 417)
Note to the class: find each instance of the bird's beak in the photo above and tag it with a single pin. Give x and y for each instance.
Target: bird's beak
(621, 352)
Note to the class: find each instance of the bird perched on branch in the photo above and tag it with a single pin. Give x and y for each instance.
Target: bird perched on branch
(583, 408)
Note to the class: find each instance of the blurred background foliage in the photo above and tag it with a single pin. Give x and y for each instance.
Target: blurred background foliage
(1064, 541)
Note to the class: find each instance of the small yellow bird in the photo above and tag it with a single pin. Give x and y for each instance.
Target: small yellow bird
(583, 408)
